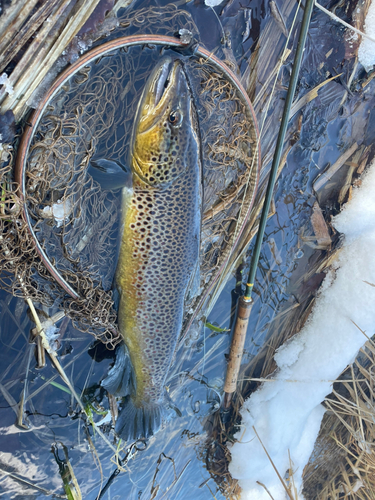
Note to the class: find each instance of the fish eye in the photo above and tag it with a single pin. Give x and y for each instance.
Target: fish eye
(175, 117)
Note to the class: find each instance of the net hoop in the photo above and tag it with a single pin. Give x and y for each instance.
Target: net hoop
(122, 42)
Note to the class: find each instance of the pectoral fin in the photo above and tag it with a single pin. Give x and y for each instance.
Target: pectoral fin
(116, 298)
(110, 174)
(194, 283)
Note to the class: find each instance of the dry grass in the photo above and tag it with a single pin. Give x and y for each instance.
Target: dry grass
(343, 462)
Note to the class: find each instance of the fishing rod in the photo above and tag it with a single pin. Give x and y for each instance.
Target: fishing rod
(245, 303)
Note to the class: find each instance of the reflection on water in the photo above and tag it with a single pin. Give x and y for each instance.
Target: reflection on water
(174, 463)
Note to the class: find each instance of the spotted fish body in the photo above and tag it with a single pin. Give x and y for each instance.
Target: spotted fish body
(160, 242)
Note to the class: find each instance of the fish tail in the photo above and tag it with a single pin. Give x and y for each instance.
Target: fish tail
(120, 379)
(135, 422)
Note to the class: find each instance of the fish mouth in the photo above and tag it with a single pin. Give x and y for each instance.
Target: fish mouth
(162, 80)
(163, 89)
(165, 81)
(163, 85)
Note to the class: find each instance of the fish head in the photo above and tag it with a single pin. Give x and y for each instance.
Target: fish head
(164, 123)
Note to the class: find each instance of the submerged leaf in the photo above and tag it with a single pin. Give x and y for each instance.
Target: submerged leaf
(216, 328)
(57, 385)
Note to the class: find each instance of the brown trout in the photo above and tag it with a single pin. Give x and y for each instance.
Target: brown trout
(159, 252)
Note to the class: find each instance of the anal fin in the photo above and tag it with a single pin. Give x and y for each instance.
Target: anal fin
(119, 380)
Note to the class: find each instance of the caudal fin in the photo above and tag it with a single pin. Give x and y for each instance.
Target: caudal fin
(135, 422)
(119, 380)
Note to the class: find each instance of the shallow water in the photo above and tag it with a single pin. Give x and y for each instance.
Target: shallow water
(196, 378)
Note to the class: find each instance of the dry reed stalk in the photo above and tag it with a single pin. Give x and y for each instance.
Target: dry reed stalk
(347, 25)
(354, 167)
(269, 41)
(274, 467)
(13, 19)
(34, 75)
(39, 47)
(20, 37)
(249, 232)
(311, 95)
(271, 77)
(330, 172)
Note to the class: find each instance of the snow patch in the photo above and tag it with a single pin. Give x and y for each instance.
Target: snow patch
(52, 333)
(4, 80)
(60, 211)
(287, 412)
(213, 3)
(366, 51)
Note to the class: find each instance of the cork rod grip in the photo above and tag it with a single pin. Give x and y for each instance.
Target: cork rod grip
(238, 342)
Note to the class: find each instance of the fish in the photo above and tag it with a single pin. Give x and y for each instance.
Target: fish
(158, 264)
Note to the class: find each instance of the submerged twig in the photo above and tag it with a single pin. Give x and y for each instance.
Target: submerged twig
(67, 474)
(275, 11)
(312, 94)
(9, 399)
(131, 451)
(59, 368)
(96, 460)
(30, 484)
(155, 488)
(330, 172)
(347, 25)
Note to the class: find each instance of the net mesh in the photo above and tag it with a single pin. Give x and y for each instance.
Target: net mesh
(166, 20)
(76, 223)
